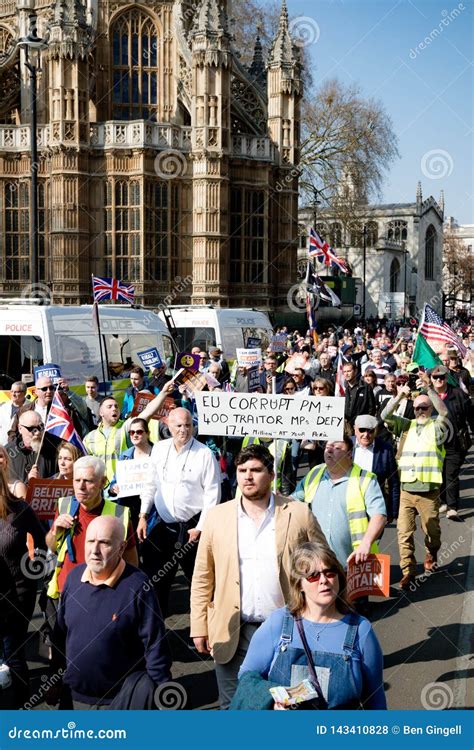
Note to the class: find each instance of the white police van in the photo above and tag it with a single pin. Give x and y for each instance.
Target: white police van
(33, 334)
(207, 326)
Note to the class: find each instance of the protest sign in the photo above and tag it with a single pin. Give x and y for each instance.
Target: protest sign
(142, 400)
(248, 357)
(276, 416)
(150, 358)
(194, 381)
(253, 342)
(132, 475)
(278, 342)
(43, 495)
(48, 371)
(253, 379)
(188, 361)
(370, 578)
(163, 413)
(405, 333)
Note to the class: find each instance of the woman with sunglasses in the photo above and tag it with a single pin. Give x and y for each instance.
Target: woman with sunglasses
(319, 623)
(141, 448)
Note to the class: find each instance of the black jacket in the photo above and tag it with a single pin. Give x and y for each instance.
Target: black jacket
(461, 416)
(359, 400)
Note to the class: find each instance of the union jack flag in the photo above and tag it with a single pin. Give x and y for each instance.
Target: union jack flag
(321, 250)
(112, 289)
(340, 389)
(60, 424)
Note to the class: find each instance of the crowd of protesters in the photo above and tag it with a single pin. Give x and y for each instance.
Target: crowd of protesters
(266, 570)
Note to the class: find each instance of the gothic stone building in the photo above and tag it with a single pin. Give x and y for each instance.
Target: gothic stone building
(163, 161)
(404, 253)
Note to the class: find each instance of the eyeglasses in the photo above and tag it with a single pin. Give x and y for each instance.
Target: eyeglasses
(319, 388)
(136, 432)
(33, 428)
(439, 377)
(47, 388)
(421, 408)
(365, 429)
(328, 573)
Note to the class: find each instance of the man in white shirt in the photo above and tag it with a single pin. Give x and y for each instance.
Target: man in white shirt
(44, 389)
(185, 483)
(9, 409)
(243, 565)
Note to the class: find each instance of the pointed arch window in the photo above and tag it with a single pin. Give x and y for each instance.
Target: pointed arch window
(134, 67)
(394, 275)
(430, 239)
(397, 230)
(372, 233)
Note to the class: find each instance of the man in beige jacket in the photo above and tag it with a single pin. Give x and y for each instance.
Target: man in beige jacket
(242, 566)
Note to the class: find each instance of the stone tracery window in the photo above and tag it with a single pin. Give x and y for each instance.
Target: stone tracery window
(122, 230)
(248, 216)
(397, 230)
(430, 239)
(135, 46)
(16, 223)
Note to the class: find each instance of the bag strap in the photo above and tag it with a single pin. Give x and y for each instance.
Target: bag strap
(73, 510)
(309, 656)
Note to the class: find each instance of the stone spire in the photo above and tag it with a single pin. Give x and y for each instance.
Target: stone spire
(419, 197)
(283, 51)
(257, 68)
(70, 34)
(441, 201)
(210, 20)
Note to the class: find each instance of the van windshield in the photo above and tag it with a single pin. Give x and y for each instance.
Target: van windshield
(19, 355)
(186, 338)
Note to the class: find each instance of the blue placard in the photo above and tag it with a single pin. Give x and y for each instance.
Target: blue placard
(253, 342)
(253, 379)
(150, 358)
(48, 371)
(324, 730)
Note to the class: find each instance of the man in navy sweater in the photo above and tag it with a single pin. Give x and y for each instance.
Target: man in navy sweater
(109, 622)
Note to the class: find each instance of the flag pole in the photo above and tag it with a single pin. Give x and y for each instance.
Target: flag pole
(44, 430)
(105, 370)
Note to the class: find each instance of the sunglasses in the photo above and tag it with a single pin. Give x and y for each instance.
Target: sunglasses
(319, 388)
(365, 429)
(47, 388)
(421, 408)
(34, 428)
(136, 432)
(328, 573)
(439, 377)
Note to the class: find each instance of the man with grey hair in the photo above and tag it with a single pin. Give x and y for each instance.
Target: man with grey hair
(25, 460)
(185, 482)
(73, 516)
(124, 642)
(9, 410)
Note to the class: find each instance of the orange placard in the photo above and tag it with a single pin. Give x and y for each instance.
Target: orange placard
(141, 402)
(370, 578)
(43, 496)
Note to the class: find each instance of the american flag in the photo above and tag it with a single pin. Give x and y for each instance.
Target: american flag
(436, 330)
(112, 289)
(321, 250)
(60, 424)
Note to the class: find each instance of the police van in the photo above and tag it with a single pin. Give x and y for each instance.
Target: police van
(207, 326)
(33, 334)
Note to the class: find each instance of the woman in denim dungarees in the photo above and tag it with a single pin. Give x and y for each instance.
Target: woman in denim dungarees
(345, 650)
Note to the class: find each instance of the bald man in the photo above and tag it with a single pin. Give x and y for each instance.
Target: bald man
(109, 623)
(185, 482)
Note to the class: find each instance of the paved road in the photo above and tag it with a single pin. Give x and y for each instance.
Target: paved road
(426, 634)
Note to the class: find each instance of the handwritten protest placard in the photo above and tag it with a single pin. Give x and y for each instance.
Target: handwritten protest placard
(279, 416)
(248, 357)
(43, 496)
(370, 578)
(132, 475)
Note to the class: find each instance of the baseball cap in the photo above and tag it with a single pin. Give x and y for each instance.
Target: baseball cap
(413, 367)
(346, 348)
(366, 421)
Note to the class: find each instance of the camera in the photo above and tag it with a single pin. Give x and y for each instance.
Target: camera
(412, 379)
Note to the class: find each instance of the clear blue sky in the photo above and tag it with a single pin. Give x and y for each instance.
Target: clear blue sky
(427, 92)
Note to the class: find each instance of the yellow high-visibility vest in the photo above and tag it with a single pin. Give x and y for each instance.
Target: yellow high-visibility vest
(422, 458)
(358, 482)
(107, 447)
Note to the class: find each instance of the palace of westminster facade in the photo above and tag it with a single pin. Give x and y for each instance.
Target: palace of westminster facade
(161, 157)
